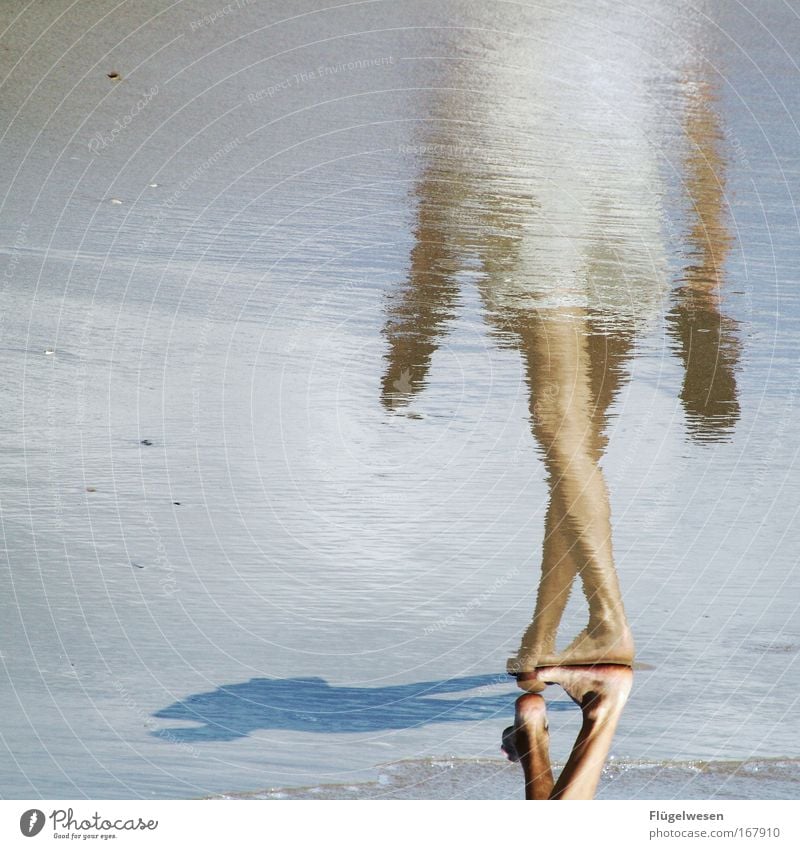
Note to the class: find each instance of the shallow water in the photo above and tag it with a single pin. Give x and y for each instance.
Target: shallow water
(440, 778)
(311, 303)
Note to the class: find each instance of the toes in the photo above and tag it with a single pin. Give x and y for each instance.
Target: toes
(508, 746)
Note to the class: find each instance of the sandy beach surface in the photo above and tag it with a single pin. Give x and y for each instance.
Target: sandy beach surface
(228, 565)
(453, 778)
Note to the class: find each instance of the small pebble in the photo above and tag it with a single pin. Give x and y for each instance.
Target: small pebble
(91, 489)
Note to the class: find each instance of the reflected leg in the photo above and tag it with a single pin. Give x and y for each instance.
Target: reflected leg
(601, 691)
(528, 741)
(559, 569)
(565, 425)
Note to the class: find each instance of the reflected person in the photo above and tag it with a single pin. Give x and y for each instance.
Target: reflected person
(571, 271)
(595, 670)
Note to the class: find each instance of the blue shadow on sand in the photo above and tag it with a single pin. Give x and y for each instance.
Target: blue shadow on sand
(311, 704)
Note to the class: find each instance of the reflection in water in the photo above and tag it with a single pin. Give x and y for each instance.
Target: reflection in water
(580, 368)
(417, 319)
(707, 340)
(567, 250)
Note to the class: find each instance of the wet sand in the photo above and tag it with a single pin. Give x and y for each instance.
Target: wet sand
(223, 512)
(489, 779)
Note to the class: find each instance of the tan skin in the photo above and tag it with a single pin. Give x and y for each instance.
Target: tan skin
(601, 688)
(574, 367)
(601, 691)
(564, 351)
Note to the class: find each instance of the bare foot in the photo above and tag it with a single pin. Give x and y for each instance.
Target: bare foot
(528, 681)
(603, 645)
(528, 741)
(601, 691)
(521, 665)
(530, 721)
(527, 658)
